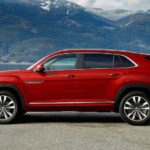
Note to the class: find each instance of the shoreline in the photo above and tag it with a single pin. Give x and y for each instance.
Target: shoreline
(12, 63)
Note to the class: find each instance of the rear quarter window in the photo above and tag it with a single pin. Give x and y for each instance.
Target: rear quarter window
(148, 57)
(123, 61)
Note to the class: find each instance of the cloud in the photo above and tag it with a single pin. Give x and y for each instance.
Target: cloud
(115, 4)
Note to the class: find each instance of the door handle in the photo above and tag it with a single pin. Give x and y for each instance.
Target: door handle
(70, 76)
(114, 75)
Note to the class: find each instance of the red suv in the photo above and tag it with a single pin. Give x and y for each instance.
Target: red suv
(80, 80)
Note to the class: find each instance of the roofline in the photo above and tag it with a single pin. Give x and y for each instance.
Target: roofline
(101, 49)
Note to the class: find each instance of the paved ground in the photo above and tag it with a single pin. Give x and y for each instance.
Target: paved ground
(73, 131)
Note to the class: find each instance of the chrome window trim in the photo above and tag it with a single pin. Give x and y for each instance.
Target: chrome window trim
(135, 64)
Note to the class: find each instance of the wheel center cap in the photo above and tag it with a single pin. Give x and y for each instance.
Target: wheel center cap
(3, 107)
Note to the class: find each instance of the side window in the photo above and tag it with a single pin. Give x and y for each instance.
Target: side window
(98, 61)
(117, 61)
(61, 62)
(121, 61)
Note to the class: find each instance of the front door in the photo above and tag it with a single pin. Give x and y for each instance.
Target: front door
(55, 86)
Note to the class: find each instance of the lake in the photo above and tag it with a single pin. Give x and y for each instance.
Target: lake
(9, 66)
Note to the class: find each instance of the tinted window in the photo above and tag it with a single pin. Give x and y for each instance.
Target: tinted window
(117, 61)
(98, 61)
(121, 61)
(148, 57)
(62, 62)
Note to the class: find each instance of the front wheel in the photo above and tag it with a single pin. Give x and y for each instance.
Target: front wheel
(135, 108)
(8, 107)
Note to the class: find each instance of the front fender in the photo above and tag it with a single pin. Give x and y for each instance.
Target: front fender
(15, 84)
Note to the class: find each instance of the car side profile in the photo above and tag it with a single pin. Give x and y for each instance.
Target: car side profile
(80, 80)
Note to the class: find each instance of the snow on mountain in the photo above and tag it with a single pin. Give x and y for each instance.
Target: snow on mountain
(114, 15)
(46, 4)
(148, 11)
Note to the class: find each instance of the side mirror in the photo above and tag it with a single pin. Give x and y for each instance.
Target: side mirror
(40, 68)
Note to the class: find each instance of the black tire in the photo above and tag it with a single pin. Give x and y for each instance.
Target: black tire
(135, 108)
(7, 107)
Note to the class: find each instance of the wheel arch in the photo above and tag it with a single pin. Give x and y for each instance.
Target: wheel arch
(16, 91)
(129, 88)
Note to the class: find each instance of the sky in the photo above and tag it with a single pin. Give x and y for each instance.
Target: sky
(115, 4)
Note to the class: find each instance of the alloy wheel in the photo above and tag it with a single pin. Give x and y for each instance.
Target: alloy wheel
(7, 107)
(136, 108)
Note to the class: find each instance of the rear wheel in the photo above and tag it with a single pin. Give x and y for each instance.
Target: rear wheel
(135, 108)
(8, 107)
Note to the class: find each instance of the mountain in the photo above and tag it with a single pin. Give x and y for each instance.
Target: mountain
(130, 18)
(44, 4)
(31, 29)
(28, 32)
(134, 32)
(114, 14)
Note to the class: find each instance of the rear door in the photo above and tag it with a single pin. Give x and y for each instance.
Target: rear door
(98, 79)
